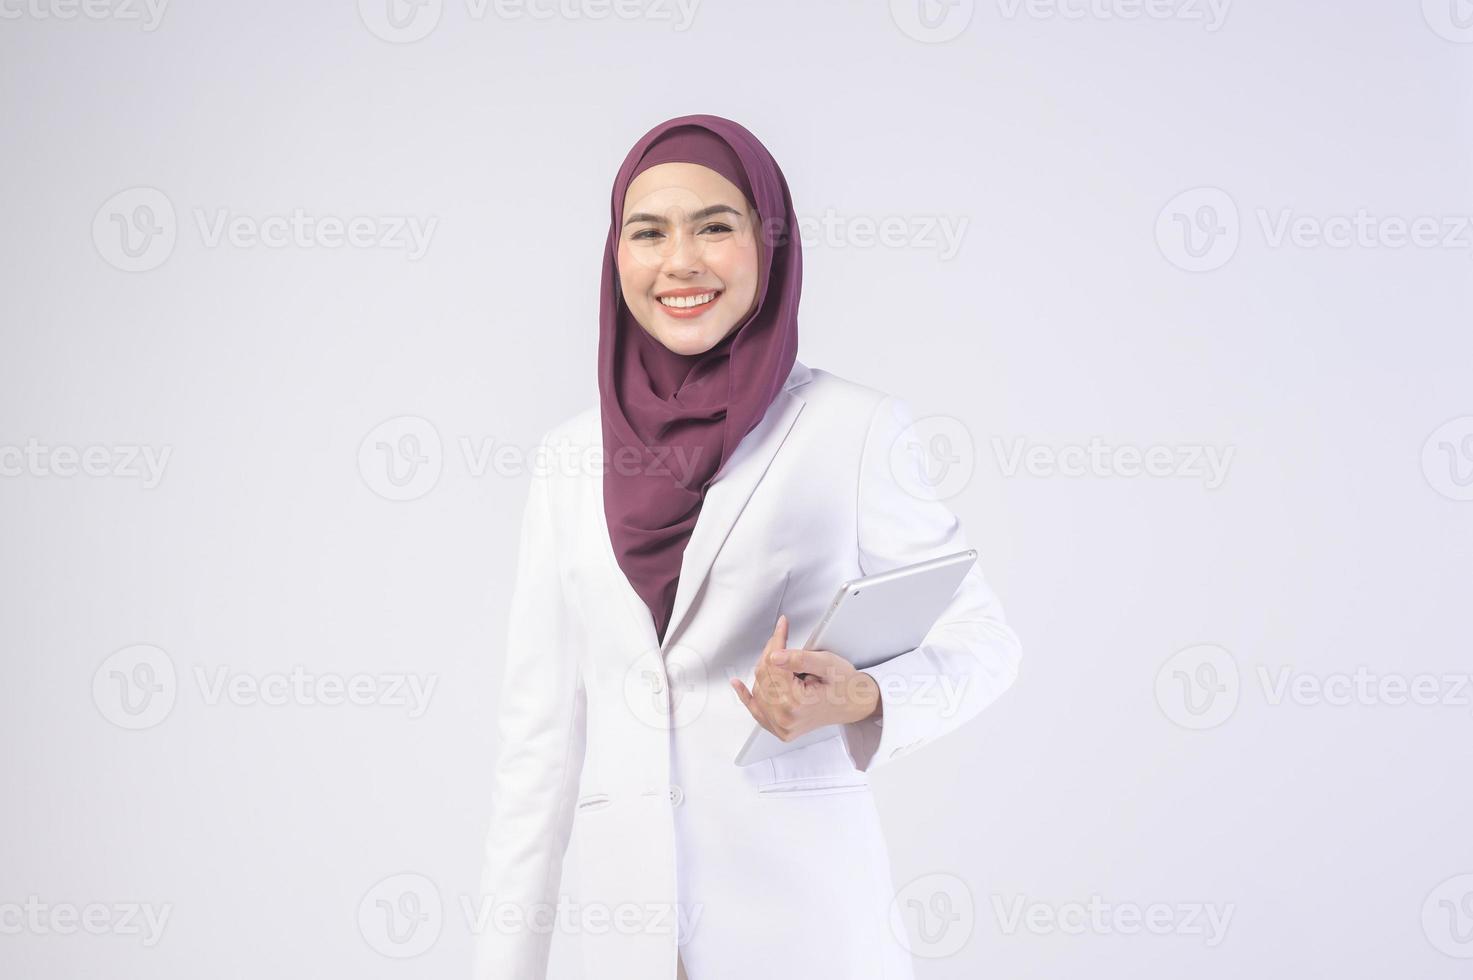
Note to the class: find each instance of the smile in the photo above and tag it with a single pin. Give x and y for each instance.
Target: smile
(688, 306)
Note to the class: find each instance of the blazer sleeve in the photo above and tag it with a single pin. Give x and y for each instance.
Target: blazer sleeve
(970, 656)
(541, 727)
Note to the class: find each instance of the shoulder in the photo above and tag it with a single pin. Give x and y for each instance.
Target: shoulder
(580, 429)
(564, 456)
(842, 400)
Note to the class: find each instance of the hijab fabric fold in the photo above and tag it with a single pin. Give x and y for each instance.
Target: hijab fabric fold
(671, 421)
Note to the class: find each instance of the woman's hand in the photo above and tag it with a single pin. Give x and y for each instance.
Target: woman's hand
(800, 690)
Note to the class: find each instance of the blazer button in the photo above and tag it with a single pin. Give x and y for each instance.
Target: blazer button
(677, 796)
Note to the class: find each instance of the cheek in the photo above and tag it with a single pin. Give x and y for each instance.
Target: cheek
(631, 274)
(737, 267)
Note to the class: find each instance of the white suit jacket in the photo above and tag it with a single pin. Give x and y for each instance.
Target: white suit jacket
(775, 871)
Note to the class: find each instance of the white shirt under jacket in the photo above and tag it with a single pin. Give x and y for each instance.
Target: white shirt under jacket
(777, 871)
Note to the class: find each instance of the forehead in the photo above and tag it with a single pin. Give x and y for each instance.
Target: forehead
(685, 185)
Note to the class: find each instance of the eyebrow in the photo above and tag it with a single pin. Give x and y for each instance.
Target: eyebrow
(698, 216)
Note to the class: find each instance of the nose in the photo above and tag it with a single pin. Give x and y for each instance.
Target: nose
(684, 255)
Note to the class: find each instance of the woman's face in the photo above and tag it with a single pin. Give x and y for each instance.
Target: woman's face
(689, 237)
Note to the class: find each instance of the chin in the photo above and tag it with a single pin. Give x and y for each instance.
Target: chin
(688, 345)
(688, 342)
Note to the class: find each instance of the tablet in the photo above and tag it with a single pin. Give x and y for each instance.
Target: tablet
(869, 621)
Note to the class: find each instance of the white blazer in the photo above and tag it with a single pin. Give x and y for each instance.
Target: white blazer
(776, 871)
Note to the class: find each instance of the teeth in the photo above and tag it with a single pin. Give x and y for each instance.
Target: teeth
(681, 302)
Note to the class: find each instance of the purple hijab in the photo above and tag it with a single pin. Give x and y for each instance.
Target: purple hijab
(663, 411)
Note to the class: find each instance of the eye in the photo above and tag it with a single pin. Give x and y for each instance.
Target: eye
(717, 227)
(646, 235)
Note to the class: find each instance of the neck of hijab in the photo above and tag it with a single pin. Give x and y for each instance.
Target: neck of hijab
(671, 421)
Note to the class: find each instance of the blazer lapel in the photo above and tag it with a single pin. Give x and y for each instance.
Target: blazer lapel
(723, 504)
(725, 499)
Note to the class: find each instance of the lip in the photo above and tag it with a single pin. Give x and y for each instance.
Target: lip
(692, 311)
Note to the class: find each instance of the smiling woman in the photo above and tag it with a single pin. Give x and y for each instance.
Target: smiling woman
(647, 591)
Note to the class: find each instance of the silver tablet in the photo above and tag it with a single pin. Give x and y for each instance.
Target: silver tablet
(871, 620)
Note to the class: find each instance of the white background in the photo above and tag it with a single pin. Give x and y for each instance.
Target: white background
(1339, 538)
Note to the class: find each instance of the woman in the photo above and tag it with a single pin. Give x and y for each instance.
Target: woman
(735, 488)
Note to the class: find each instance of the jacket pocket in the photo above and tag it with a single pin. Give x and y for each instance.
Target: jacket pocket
(816, 785)
(593, 801)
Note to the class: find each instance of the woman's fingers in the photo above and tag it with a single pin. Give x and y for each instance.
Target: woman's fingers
(752, 702)
(830, 667)
(779, 692)
(776, 652)
(769, 685)
(779, 638)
